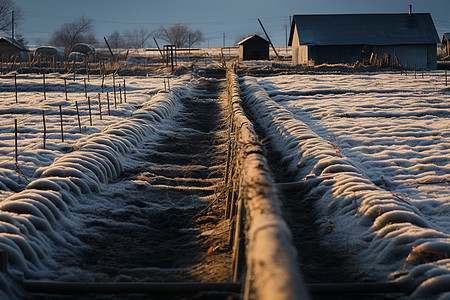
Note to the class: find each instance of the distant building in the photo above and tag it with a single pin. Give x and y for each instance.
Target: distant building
(446, 43)
(11, 49)
(253, 48)
(348, 38)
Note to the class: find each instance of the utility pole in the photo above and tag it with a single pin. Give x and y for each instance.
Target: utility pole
(12, 24)
(270, 42)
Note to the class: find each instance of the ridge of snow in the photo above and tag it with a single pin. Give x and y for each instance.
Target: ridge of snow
(387, 230)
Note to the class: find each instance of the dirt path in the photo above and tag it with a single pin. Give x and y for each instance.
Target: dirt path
(162, 219)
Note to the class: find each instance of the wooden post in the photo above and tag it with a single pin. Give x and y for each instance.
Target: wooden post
(43, 79)
(90, 113)
(78, 116)
(124, 92)
(99, 106)
(45, 127)
(107, 99)
(85, 88)
(103, 80)
(445, 77)
(120, 93)
(114, 88)
(15, 86)
(65, 87)
(61, 121)
(74, 69)
(15, 145)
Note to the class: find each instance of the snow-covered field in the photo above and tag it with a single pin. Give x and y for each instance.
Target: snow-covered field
(36, 197)
(375, 150)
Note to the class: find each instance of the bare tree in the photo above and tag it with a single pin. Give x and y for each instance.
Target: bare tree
(180, 35)
(138, 37)
(115, 40)
(6, 23)
(70, 34)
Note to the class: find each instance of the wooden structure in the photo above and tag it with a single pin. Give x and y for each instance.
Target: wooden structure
(407, 39)
(254, 48)
(10, 49)
(446, 43)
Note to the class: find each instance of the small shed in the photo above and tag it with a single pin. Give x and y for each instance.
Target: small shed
(11, 48)
(347, 38)
(446, 43)
(253, 48)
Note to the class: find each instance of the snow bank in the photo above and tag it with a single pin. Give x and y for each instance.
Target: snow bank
(272, 271)
(28, 219)
(387, 231)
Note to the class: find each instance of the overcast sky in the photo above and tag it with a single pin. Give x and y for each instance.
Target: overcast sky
(235, 18)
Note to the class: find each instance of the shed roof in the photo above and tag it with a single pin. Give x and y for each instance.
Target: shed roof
(445, 36)
(252, 37)
(14, 43)
(364, 29)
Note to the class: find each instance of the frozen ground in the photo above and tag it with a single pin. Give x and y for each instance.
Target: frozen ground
(374, 149)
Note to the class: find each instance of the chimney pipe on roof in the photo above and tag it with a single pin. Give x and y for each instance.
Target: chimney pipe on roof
(410, 9)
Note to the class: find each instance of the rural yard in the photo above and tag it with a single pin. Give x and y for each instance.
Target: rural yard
(255, 182)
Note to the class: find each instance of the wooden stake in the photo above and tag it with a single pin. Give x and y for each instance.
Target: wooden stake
(65, 87)
(114, 87)
(74, 69)
(15, 144)
(445, 77)
(43, 78)
(45, 127)
(85, 88)
(99, 106)
(120, 93)
(78, 116)
(103, 80)
(15, 86)
(90, 114)
(124, 92)
(107, 99)
(61, 121)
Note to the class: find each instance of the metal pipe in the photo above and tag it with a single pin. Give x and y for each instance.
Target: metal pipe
(48, 287)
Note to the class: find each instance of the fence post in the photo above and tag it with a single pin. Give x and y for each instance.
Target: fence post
(114, 87)
(43, 79)
(90, 114)
(15, 145)
(61, 121)
(107, 99)
(124, 92)
(65, 87)
(15, 86)
(99, 106)
(45, 127)
(78, 116)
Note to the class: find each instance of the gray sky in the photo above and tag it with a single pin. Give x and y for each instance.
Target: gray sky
(235, 18)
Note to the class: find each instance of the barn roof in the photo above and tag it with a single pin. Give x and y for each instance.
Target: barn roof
(364, 29)
(14, 43)
(252, 37)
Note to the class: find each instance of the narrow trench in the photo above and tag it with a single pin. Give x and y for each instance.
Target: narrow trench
(318, 262)
(167, 224)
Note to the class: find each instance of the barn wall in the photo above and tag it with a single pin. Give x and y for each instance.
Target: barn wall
(408, 55)
(335, 54)
(423, 56)
(295, 48)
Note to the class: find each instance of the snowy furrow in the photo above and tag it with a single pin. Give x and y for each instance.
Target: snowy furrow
(28, 219)
(385, 231)
(271, 258)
